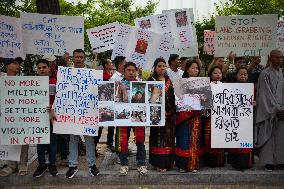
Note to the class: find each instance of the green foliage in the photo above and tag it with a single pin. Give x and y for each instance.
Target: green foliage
(13, 8)
(251, 7)
(95, 13)
(101, 12)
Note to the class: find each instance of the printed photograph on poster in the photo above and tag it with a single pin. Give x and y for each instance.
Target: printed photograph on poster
(122, 112)
(122, 91)
(138, 92)
(106, 91)
(155, 93)
(138, 114)
(141, 46)
(181, 18)
(155, 115)
(145, 24)
(193, 93)
(106, 113)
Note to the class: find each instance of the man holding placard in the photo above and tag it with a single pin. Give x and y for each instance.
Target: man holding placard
(270, 113)
(13, 69)
(79, 62)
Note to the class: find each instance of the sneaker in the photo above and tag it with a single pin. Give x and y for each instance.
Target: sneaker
(93, 170)
(40, 170)
(182, 171)
(71, 172)
(52, 170)
(123, 170)
(269, 167)
(142, 170)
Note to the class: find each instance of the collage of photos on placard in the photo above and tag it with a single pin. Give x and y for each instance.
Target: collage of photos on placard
(134, 103)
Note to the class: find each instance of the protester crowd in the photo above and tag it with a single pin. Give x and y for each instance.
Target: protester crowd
(185, 140)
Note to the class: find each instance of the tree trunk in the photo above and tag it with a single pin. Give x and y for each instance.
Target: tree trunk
(48, 6)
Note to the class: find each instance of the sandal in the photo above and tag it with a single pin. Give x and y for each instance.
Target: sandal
(23, 170)
(161, 170)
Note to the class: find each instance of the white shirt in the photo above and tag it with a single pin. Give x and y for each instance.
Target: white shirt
(116, 76)
(174, 75)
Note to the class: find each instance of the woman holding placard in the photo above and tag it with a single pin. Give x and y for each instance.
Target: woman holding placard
(188, 131)
(214, 157)
(162, 139)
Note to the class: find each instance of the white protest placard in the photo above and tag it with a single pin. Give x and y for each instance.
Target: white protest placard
(12, 153)
(193, 93)
(141, 46)
(124, 103)
(24, 115)
(245, 35)
(176, 24)
(103, 38)
(209, 42)
(280, 35)
(11, 44)
(52, 34)
(232, 115)
(76, 104)
(190, 10)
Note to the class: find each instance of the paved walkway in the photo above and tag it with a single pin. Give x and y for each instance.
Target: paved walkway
(109, 177)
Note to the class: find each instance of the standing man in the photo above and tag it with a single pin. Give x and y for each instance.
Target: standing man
(43, 69)
(119, 63)
(270, 113)
(107, 74)
(174, 72)
(130, 74)
(79, 62)
(13, 69)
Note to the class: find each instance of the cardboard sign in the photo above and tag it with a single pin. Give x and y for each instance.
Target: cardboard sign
(52, 34)
(245, 35)
(232, 115)
(12, 153)
(24, 115)
(103, 38)
(209, 42)
(280, 35)
(76, 101)
(124, 103)
(141, 46)
(176, 24)
(11, 44)
(193, 93)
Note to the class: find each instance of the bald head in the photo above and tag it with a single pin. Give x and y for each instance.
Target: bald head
(276, 58)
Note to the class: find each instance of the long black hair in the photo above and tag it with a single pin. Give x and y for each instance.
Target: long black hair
(155, 75)
(187, 65)
(211, 71)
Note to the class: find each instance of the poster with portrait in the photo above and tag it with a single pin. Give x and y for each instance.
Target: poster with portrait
(193, 93)
(177, 24)
(141, 46)
(135, 103)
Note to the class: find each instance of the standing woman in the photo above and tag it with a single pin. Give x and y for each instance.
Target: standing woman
(188, 131)
(214, 157)
(162, 139)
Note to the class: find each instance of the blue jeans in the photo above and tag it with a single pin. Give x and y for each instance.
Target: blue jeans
(73, 148)
(140, 155)
(51, 148)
